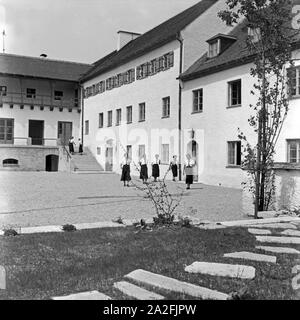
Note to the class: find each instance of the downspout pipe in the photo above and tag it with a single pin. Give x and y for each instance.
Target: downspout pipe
(82, 111)
(180, 39)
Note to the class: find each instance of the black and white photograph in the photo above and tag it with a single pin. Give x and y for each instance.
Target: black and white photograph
(149, 151)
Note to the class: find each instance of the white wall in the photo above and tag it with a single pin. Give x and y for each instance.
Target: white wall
(150, 90)
(50, 118)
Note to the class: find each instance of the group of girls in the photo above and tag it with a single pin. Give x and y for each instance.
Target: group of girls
(143, 168)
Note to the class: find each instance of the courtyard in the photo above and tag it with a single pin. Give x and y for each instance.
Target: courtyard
(55, 198)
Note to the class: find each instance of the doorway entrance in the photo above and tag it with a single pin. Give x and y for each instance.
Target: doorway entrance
(109, 159)
(52, 163)
(36, 132)
(64, 132)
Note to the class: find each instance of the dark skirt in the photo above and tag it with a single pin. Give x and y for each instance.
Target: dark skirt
(126, 173)
(144, 172)
(80, 149)
(189, 179)
(155, 170)
(174, 169)
(71, 147)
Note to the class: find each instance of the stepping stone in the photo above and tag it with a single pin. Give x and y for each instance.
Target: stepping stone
(279, 249)
(293, 233)
(40, 229)
(98, 225)
(251, 256)
(137, 292)
(285, 240)
(222, 270)
(259, 231)
(175, 285)
(277, 226)
(2, 278)
(89, 295)
(211, 227)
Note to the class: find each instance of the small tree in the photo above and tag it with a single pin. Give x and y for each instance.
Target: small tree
(271, 47)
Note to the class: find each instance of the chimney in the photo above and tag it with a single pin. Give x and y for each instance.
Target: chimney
(124, 37)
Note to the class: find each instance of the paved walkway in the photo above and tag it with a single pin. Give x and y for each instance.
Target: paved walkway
(45, 198)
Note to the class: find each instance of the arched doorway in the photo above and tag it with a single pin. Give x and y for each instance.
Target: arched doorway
(51, 162)
(193, 149)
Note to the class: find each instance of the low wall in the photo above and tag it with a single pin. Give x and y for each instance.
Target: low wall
(30, 158)
(287, 190)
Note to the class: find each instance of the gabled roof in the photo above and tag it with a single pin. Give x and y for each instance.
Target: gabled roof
(235, 55)
(17, 65)
(160, 35)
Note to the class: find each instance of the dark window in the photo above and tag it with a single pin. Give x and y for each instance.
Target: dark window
(235, 93)
(58, 95)
(30, 93)
(118, 117)
(129, 114)
(198, 100)
(6, 131)
(166, 107)
(10, 162)
(101, 120)
(234, 153)
(129, 152)
(3, 91)
(87, 127)
(109, 118)
(142, 112)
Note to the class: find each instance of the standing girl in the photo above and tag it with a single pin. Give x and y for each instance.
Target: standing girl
(174, 167)
(144, 169)
(80, 147)
(125, 166)
(188, 170)
(155, 168)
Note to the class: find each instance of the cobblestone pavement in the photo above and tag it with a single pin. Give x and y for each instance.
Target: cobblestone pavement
(52, 198)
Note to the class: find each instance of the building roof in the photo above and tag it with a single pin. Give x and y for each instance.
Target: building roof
(156, 37)
(11, 64)
(234, 55)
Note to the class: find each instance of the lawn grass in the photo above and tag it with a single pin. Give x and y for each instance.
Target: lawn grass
(40, 266)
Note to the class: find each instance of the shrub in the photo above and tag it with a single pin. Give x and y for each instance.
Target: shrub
(119, 220)
(69, 228)
(185, 222)
(10, 232)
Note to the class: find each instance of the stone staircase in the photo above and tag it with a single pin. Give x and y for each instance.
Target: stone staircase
(86, 163)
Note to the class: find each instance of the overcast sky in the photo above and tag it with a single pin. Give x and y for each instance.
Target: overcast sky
(78, 30)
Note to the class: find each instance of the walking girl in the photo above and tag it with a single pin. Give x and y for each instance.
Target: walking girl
(125, 166)
(174, 167)
(144, 168)
(155, 168)
(71, 145)
(188, 170)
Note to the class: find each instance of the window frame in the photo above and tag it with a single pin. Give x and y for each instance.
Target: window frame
(166, 106)
(118, 116)
(30, 95)
(297, 141)
(199, 108)
(100, 120)
(127, 113)
(5, 133)
(58, 97)
(143, 104)
(230, 98)
(236, 143)
(109, 118)
(3, 91)
(163, 159)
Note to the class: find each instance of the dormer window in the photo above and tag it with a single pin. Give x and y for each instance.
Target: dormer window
(254, 34)
(214, 48)
(218, 44)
